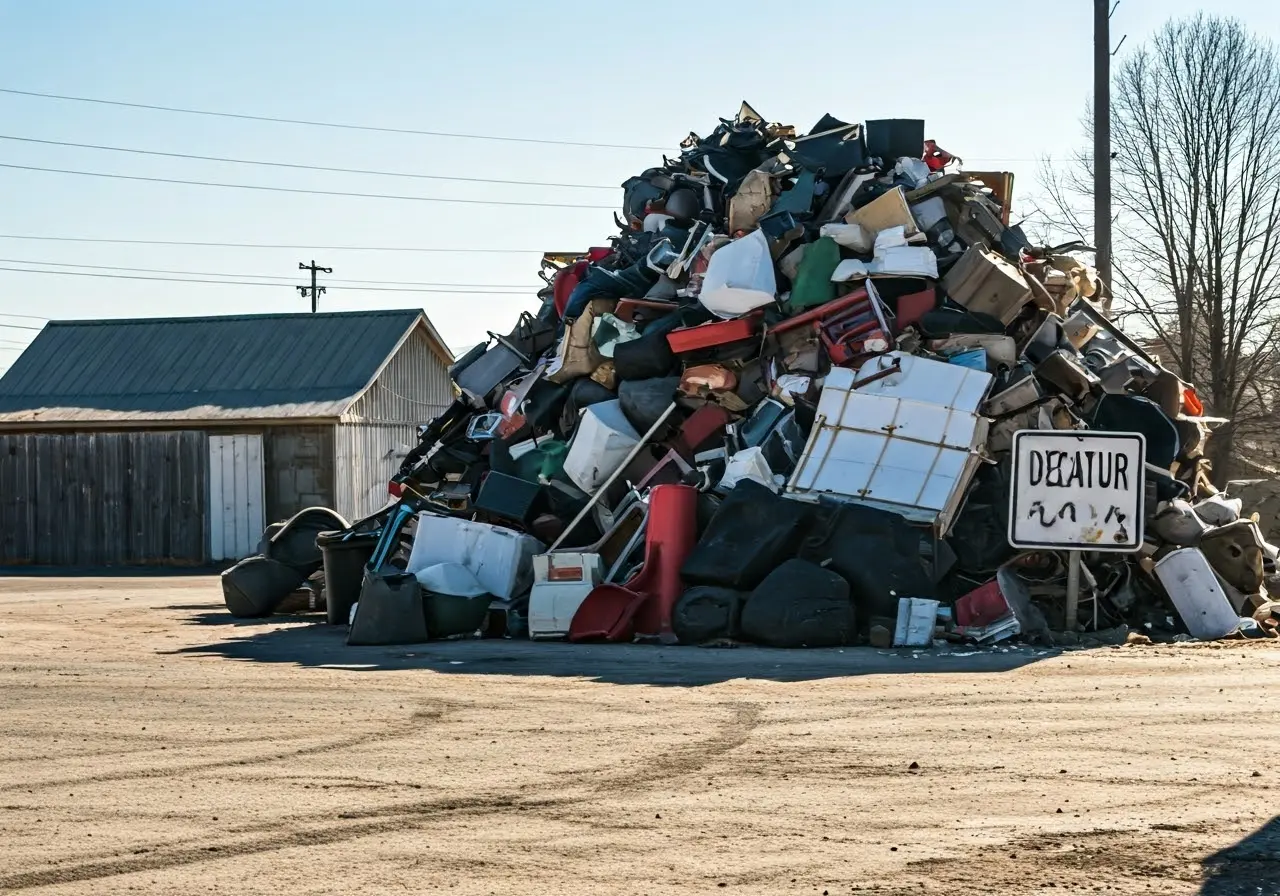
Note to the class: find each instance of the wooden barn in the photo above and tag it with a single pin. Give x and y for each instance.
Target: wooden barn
(172, 442)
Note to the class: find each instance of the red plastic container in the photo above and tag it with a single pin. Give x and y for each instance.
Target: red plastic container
(722, 332)
(643, 606)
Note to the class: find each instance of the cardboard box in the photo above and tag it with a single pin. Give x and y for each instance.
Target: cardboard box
(986, 283)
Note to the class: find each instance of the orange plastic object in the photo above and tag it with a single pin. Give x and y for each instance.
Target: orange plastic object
(1191, 403)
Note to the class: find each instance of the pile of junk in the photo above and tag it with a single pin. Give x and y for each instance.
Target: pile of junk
(778, 408)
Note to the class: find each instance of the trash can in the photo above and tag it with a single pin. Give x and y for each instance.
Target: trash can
(345, 557)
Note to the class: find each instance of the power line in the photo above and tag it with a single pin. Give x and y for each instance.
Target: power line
(455, 292)
(205, 183)
(86, 239)
(300, 167)
(290, 280)
(326, 124)
(11, 342)
(20, 327)
(25, 316)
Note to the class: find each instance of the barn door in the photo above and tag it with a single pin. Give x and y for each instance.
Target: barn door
(235, 496)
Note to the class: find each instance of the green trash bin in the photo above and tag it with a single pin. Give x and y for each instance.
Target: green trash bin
(345, 556)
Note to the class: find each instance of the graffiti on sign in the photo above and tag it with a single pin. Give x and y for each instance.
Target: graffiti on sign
(1075, 489)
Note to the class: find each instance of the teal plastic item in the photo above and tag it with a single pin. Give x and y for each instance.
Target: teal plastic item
(974, 358)
(547, 460)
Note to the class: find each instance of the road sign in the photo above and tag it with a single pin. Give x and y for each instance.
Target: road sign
(1077, 490)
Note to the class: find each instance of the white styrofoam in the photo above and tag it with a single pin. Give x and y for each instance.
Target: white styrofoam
(908, 443)
(1189, 580)
(600, 445)
(500, 559)
(552, 604)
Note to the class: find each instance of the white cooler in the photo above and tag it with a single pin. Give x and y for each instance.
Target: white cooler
(561, 582)
(500, 559)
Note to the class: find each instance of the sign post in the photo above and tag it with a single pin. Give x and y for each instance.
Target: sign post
(1077, 491)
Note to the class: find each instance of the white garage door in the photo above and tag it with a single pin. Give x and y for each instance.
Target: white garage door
(235, 496)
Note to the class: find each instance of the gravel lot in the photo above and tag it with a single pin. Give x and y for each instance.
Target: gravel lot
(149, 743)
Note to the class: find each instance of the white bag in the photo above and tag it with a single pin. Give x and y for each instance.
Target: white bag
(450, 578)
(851, 236)
(739, 277)
(748, 464)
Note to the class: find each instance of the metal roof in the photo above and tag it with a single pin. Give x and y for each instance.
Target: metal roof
(192, 369)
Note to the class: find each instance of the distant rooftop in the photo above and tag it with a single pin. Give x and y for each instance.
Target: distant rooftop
(189, 369)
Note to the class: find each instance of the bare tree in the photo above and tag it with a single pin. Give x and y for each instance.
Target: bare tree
(1196, 178)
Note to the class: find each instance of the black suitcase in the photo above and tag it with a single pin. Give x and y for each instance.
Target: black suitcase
(751, 534)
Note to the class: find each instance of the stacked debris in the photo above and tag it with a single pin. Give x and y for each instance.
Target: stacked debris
(780, 406)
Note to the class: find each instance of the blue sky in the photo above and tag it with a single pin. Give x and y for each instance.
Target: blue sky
(1000, 84)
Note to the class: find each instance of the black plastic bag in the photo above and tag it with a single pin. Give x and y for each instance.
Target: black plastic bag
(294, 541)
(875, 551)
(707, 613)
(648, 357)
(800, 604)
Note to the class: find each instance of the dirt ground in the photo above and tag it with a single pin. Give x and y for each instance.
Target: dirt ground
(149, 743)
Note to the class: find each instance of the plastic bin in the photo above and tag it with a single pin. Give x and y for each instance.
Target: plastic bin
(344, 562)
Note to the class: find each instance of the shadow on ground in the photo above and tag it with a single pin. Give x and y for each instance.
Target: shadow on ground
(1248, 868)
(281, 639)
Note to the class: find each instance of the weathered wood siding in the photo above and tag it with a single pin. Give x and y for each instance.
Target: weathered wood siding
(368, 455)
(104, 499)
(413, 388)
(382, 425)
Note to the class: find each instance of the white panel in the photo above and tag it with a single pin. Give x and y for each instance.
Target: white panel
(239, 465)
(236, 502)
(256, 511)
(228, 498)
(217, 551)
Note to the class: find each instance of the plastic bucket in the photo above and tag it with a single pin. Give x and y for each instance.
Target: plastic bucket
(344, 563)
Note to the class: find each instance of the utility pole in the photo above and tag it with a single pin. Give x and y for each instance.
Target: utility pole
(312, 290)
(1102, 10)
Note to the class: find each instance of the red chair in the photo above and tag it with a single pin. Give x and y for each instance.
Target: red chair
(643, 606)
(566, 279)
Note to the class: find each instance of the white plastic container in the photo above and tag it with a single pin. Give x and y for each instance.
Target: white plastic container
(739, 277)
(1188, 578)
(561, 582)
(600, 445)
(500, 559)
